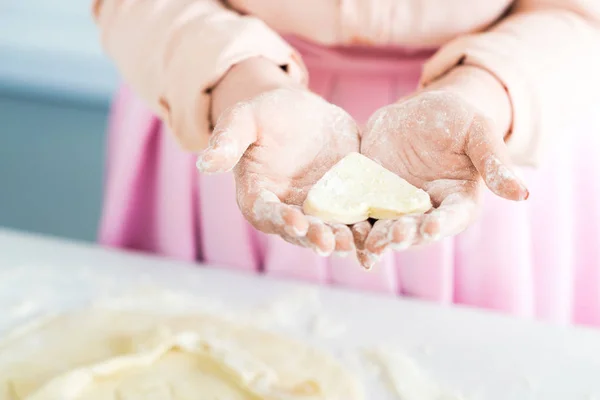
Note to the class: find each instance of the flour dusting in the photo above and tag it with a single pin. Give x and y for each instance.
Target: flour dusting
(23, 310)
(325, 327)
(405, 378)
(264, 208)
(498, 174)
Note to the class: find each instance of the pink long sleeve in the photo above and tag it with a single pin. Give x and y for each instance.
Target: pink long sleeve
(407, 23)
(173, 52)
(547, 56)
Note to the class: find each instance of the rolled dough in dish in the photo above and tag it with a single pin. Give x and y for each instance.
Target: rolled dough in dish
(357, 188)
(113, 355)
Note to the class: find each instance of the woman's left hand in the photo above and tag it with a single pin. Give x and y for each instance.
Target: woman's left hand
(438, 142)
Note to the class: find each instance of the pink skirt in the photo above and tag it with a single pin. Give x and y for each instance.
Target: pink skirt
(540, 258)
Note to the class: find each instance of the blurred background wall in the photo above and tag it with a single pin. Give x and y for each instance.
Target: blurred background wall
(55, 90)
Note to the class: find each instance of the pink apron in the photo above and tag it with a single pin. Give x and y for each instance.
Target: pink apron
(539, 258)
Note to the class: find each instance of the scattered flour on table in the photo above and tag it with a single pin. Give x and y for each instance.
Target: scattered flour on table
(527, 382)
(300, 311)
(23, 310)
(324, 327)
(426, 349)
(294, 311)
(151, 298)
(26, 328)
(405, 378)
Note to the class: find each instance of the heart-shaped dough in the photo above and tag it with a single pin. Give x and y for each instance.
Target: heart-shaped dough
(357, 188)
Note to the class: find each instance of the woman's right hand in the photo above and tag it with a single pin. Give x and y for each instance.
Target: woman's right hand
(279, 139)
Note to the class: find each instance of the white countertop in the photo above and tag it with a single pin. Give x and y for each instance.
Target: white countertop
(483, 355)
(52, 47)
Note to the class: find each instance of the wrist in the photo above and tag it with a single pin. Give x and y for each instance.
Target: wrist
(482, 90)
(246, 80)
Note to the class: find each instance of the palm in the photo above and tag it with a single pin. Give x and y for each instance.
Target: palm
(301, 137)
(279, 144)
(445, 146)
(429, 141)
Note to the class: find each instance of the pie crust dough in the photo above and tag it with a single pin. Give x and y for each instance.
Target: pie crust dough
(112, 355)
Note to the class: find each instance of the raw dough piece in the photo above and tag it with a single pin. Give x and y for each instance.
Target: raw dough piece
(111, 355)
(357, 188)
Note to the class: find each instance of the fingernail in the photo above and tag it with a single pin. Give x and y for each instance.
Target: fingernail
(370, 259)
(400, 246)
(321, 252)
(429, 236)
(341, 254)
(204, 161)
(523, 192)
(497, 173)
(222, 149)
(396, 246)
(293, 231)
(299, 232)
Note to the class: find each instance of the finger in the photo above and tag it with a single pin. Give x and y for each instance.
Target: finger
(367, 259)
(311, 241)
(453, 216)
(489, 155)
(297, 241)
(503, 181)
(403, 232)
(379, 237)
(397, 234)
(270, 215)
(361, 232)
(321, 237)
(295, 222)
(232, 136)
(344, 241)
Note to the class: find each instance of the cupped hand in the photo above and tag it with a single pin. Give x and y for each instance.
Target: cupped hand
(278, 144)
(446, 146)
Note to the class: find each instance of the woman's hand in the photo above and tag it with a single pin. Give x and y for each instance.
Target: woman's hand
(443, 144)
(279, 139)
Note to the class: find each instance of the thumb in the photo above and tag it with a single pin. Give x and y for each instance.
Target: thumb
(489, 155)
(234, 133)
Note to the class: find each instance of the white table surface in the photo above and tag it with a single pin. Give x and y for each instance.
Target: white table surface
(484, 355)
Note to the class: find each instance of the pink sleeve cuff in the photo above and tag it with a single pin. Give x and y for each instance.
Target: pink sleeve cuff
(173, 52)
(195, 69)
(547, 57)
(480, 51)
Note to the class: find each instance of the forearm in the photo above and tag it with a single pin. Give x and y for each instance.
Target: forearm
(246, 80)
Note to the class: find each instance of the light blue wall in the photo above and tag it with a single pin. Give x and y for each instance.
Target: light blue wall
(51, 165)
(55, 87)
